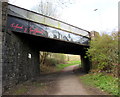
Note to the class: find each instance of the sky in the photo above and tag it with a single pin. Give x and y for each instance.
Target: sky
(82, 13)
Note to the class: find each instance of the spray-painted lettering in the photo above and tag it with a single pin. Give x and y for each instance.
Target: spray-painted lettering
(35, 31)
(16, 26)
(24, 29)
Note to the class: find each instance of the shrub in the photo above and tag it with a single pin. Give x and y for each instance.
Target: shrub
(104, 52)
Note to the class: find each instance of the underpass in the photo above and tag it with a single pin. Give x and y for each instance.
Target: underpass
(25, 33)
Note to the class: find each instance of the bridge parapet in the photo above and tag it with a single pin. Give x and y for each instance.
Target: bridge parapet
(39, 24)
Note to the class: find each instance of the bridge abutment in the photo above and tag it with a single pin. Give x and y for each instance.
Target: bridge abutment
(85, 62)
(20, 60)
(18, 56)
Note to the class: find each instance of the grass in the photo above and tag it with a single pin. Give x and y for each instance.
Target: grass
(69, 63)
(105, 82)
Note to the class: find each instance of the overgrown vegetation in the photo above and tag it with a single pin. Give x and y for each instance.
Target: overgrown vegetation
(104, 56)
(104, 52)
(49, 60)
(103, 81)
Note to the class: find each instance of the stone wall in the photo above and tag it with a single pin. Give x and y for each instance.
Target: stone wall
(0, 48)
(20, 58)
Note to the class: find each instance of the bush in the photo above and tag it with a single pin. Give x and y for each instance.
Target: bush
(60, 58)
(104, 52)
(51, 61)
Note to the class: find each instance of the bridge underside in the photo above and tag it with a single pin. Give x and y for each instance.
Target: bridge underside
(53, 45)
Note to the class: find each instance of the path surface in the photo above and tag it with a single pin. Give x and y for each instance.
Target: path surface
(66, 82)
(69, 84)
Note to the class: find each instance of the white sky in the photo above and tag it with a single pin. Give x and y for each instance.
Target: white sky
(81, 13)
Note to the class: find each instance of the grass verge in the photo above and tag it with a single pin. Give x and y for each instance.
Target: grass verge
(69, 63)
(105, 82)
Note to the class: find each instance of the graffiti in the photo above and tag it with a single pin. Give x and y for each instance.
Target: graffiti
(31, 30)
(37, 29)
(34, 31)
(16, 26)
(24, 26)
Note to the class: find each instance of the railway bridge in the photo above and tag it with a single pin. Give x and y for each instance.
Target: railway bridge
(24, 33)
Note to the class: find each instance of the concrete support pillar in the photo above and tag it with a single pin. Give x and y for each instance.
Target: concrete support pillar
(85, 62)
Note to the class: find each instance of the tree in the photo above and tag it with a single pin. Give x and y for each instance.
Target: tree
(52, 8)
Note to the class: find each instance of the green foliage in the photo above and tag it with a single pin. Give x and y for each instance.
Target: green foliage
(104, 52)
(104, 82)
(50, 60)
(69, 63)
(60, 58)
